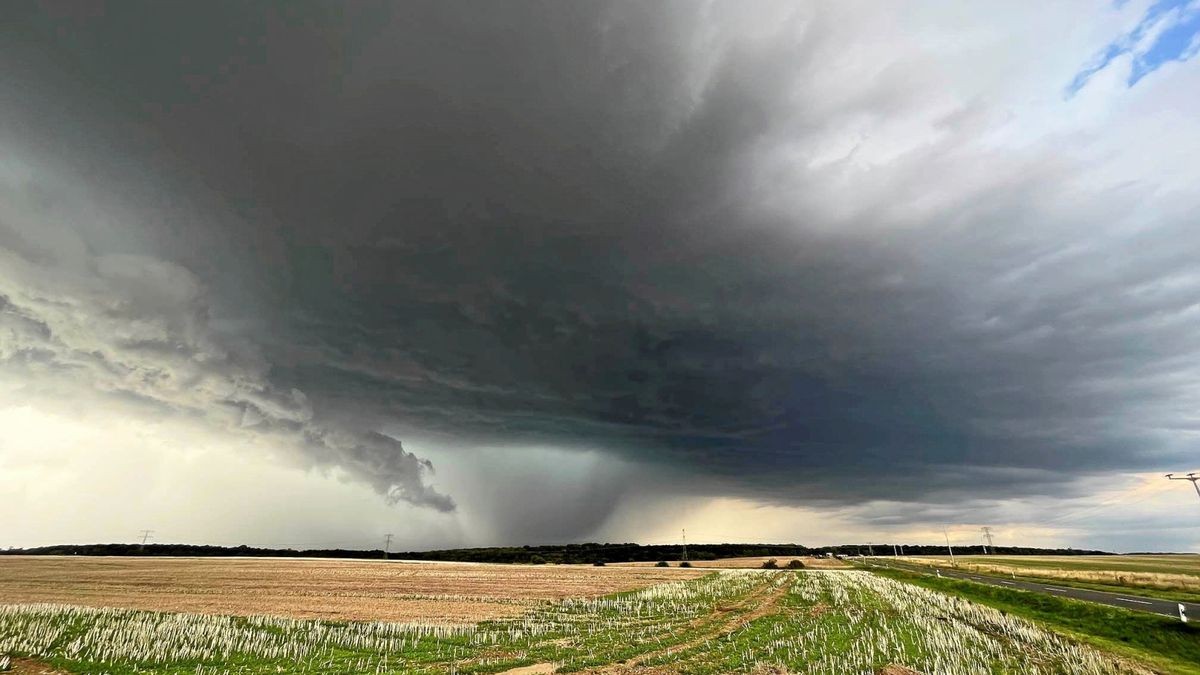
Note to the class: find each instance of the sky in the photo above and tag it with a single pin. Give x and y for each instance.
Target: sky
(305, 274)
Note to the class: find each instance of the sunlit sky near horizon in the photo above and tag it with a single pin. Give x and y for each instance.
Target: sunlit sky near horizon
(303, 274)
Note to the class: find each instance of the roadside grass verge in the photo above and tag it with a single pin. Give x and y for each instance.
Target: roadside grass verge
(1163, 643)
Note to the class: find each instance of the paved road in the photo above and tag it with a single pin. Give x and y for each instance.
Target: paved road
(1164, 607)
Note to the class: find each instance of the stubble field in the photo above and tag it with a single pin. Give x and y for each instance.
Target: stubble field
(1168, 576)
(348, 590)
(753, 563)
(546, 619)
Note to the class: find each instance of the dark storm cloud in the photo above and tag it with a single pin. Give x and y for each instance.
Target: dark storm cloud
(578, 224)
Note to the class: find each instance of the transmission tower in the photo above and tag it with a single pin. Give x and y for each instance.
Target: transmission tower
(387, 545)
(987, 534)
(947, 534)
(146, 534)
(1191, 476)
(684, 533)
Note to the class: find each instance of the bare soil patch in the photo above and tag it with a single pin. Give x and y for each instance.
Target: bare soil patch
(311, 588)
(535, 669)
(32, 667)
(894, 669)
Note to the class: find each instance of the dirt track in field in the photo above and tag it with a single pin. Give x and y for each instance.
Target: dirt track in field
(310, 588)
(763, 601)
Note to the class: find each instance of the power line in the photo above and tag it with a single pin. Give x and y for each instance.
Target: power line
(1120, 499)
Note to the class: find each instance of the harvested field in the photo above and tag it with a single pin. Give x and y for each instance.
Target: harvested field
(1182, 563)
(311, 588)
(1177, 575)
(731, 621)
(753, 563)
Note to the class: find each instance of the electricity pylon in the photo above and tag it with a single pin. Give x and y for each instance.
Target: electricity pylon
(987, 534)
(387, 546)
(1191, 476)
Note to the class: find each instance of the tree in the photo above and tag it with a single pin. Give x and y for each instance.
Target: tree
(771, 564)
(795, 565)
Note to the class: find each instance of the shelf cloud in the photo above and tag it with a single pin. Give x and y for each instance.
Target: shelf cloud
(816, 255)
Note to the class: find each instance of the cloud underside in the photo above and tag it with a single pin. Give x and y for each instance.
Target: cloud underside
(756, 248)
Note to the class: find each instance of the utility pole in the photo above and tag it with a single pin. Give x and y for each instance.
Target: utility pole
(684, 533)
(1191, 476)
(987, 534)
(948, 544)
(387, 545)
(146, 534)
(870, 549)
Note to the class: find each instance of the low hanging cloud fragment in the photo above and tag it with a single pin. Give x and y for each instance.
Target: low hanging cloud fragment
(140, 327)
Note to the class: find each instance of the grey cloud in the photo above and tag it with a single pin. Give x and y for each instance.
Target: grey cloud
(622, 226)
(140, 327)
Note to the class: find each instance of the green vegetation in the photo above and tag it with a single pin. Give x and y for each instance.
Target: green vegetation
(561, 554)
(730, 621)
(1168, 644)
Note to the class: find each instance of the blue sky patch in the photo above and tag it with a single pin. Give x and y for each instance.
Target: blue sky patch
(1169, 31)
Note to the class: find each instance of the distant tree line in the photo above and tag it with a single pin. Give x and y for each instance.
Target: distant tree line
(554, 554)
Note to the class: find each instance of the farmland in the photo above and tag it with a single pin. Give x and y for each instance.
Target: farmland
(715, 621)
(755, 562)
(1167, 576)
(313, 589)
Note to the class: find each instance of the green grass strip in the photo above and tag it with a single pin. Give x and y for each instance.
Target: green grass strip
(1165, 644)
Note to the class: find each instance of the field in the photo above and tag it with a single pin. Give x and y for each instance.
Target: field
(719, 621)
(753, 563)
(312, 588)
(1166, 576)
